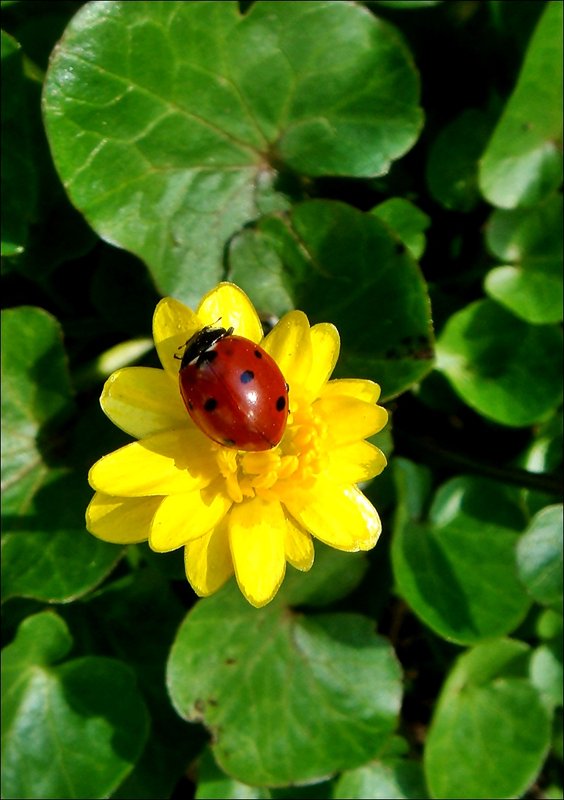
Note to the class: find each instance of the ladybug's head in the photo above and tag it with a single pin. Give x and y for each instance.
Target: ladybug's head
(200, 343)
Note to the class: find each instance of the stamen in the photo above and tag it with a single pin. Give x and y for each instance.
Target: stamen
(298, 458)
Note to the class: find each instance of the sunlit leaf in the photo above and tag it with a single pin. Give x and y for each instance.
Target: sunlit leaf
(276, 687)
(506, 369)
(523, 160)
(539, 557)
(165, 155)
(529, 242)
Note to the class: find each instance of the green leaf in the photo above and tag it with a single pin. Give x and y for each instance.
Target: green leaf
(290, 698)
(38, 393)
(457, 570)
(337, 126)
(38, 28)
(122, 619)
(414, 486)
(166, 155)
(344, 267)
(452, 166)
(543, 454)
(37, 396)
(213, 783)
(407, 221)
(547, 672)
(72, 729)
(499, 365)
(490, 731)
(19, 185)
(394, 779)
(523, 160)
(550, 624)
(540, 559)
(47, 553)
(530, 242)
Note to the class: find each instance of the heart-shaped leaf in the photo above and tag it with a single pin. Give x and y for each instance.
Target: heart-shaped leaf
(167, 120)
(486, 691)
(457, 571)
(253, 676)
(507, 370)
(72, 729)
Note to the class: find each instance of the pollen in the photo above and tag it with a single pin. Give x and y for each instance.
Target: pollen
(299, 457)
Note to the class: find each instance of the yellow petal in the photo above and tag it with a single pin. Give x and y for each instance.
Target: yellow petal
(352, 387)
(298, 546)
(142, 401)
(182, 518)
(208, 562)
(349, 419)
(227, 306)
(256, 535)
(167, 463)
(289, 344)
(340, 516)
(121, 520)
(173, 324)
(352, 463)
(325, 344)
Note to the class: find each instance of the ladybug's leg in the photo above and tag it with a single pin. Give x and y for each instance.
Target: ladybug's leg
(181, 347)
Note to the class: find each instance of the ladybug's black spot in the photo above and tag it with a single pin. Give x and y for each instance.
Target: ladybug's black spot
(258, 354)
(210, 404)
(247, 376)
(281, 403)
(229, 442)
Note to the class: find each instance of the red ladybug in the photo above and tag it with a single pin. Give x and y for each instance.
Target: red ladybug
(233, 390)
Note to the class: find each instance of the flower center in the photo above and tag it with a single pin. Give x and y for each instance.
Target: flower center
(298, 459)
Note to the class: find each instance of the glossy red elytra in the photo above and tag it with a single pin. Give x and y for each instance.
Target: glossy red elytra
(233, 390)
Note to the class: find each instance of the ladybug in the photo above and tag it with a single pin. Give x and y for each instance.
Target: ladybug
(233, 390)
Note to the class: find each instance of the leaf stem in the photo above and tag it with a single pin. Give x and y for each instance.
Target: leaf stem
(435, 455)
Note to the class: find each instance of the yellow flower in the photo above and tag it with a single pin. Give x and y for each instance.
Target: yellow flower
(235, 511)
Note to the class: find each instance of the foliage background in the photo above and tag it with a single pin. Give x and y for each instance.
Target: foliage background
(394, 168)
